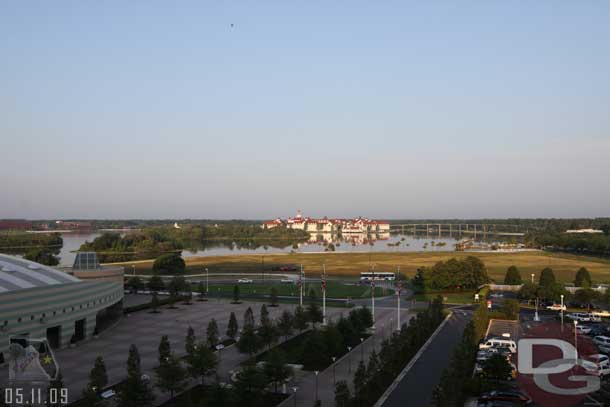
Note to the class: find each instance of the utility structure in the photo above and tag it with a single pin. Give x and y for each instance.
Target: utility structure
(324, 294)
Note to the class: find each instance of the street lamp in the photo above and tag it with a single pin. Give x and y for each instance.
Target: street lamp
(334, 377)
(562, 312)
(575, 342)
(533, 278)
(316, 372)
(207, 281)
(362, 349)
(294, 389)
(349, 359)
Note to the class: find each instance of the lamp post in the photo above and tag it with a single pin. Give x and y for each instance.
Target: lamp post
(294, 390)
(324, 294)
(398, 305)
(334, 377)
(316, 372)
(575, 342)
(373, 296)
(362, 349)
(207, 281)
(349, 359)
(562, 312)
(533, 278)
(536, 317)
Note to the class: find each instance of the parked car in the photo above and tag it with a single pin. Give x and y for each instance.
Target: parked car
(597, 330)
(512, 396)
(603, 343)
(600, 360)
(287, 281)
(499, 343)
(594, 318)
(592, 367)
(244, 281)
(579, 316)
(497, 295)
(583, 329)
(556, 307)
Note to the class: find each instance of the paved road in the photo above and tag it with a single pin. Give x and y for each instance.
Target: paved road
(416, 388)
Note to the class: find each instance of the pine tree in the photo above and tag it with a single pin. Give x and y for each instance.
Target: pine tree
(232, 328)
(360, 383)
(171, 376)
(273, 297)
(275, 367)
(285, 324)
(165, 349)
(513, 276)
(236, 294)
(189, 341)
(248, 318)
(300, 319)
(154, 303)
(212, 333)
(98, 378)
(202, 362)
(342, 394)
(583, 278)
(134, 392)
(264, 315)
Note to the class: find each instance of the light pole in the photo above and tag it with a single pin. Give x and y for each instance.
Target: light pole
(349, 359)
(362, 349)
(301, 287)
(398, 306)
(533, 278)
(334, 377)
(536, 317)
(324, 294)
(575, 342)
(207, 281)
(294, 389)
(562, 312)
(316, 372)
(373, 296)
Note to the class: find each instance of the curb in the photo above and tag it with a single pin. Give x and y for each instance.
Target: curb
(414, 359)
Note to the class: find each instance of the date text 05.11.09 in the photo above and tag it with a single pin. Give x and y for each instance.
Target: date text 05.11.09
(16, 396)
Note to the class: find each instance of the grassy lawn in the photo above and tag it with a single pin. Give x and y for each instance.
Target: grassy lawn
(352, 264)
(333, 289)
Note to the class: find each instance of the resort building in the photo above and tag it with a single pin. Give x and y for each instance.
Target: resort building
(326, 225)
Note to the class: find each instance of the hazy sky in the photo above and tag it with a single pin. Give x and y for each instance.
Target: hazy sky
(124, 109)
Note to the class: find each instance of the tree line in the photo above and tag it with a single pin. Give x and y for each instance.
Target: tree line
(451, 274)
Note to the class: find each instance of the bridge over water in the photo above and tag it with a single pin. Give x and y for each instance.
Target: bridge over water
(472, 229)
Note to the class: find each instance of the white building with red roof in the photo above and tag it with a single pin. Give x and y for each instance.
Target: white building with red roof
(326, 225)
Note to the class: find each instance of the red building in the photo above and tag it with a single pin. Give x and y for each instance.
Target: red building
(15, 224)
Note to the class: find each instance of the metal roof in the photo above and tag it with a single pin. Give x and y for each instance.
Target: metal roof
(18, 274)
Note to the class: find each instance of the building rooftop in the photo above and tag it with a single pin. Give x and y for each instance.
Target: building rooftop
(19, 274)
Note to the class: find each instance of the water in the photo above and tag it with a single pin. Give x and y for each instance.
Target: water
(353, 243)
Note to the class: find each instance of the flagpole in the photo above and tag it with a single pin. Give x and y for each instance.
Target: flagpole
(301, 287)
(324, 294)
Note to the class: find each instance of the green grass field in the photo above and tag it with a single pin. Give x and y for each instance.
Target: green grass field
(352, 264)
(333, 290)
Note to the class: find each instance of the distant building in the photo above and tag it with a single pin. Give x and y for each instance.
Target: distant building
(79, 226)
(584, 231)
(326, 225)
(15, 224)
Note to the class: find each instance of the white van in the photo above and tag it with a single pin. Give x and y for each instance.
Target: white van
(499, 343)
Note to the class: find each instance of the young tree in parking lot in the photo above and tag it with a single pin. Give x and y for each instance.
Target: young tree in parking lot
(497, 368)
(547, 278)
(583, 278)
(513, 276)
(284, 325)
(134, 391)
(360, 384)
(202, 293)
(189, 341)
(268, 334)
(249, 342)
(165, 349)
(98, 378)
(264, 315)
(273, 297)
(154, 303)
(232, 327)
(314, 313)
(156, 283)
(510, 309)
(212, 333)
(188, 289)
(300, 319)
(171, 376)
(235, 294)
(342, 394)
(249, 318)
(202, 362)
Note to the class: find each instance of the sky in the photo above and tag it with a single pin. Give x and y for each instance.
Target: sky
(254, 109)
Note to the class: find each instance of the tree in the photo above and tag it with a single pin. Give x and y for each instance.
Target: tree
(333, 340)
(528, 290)
(135, 283)
(249, 318)
(275, 367)
(170, 263)
(510, 309)
(315, 355)
(98, 379)
(360, 383)
(165, 349)
(156, 283)
(171, 376)
(134, 391)
(42, 256)
(547, 278)
(606, 229)
(284, 325)
(188, 289)
(268, 334)
(497, 368)
(300, 319)
(250, 384)
(585, 296)
(154, 303)
(342, 394)
(249, 342)
(202, 292)
(202, 362)
(264, 315)
(189, 342)
(236, 294)
(583, 278)
(232, 328)
(273, 297)
(314, 313)
(212, 333)
(513, 276)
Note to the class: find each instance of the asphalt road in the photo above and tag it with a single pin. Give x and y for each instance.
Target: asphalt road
(417, 386)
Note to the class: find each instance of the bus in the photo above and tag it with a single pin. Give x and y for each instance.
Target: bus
(378, 276)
